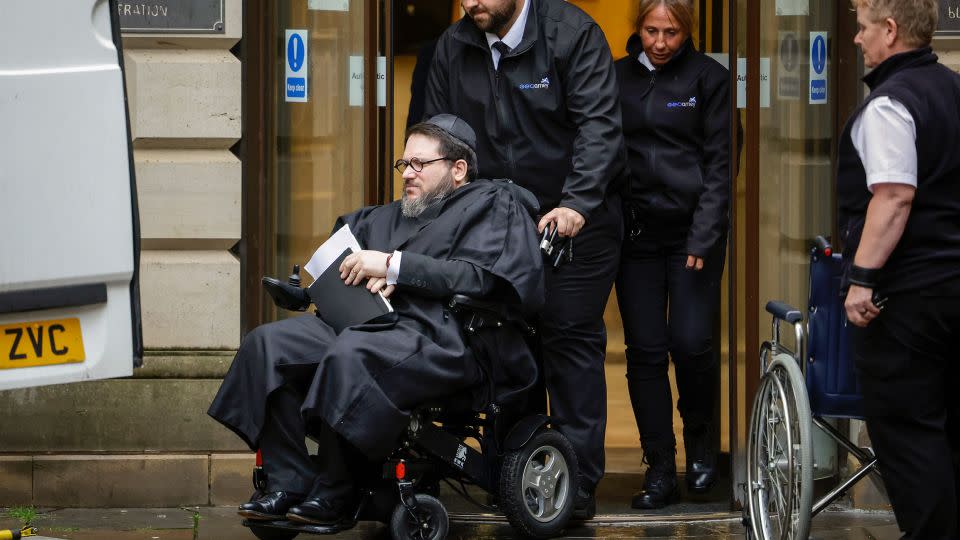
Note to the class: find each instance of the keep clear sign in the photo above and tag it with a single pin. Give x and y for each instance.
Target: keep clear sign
(356, 81)
(818, 68)
(295, 83)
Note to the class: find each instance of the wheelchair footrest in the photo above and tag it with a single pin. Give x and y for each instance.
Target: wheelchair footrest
(287, 525)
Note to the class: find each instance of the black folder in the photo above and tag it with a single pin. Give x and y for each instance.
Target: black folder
(341, 305)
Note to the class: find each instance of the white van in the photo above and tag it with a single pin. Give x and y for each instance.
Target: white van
(69, 229)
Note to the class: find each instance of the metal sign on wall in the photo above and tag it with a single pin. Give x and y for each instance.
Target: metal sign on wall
(172, 16)
(949, 18)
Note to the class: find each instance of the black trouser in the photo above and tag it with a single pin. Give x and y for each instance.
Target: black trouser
(287, 462)
(574, 338)
(667, 308)
(908, 370)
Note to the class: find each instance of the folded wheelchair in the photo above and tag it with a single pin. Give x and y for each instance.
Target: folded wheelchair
(528, 470)
(800, 389)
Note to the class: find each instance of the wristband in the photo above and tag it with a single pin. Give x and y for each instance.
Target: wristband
(864, 277)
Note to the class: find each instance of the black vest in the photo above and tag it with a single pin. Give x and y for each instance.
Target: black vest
(928, 254)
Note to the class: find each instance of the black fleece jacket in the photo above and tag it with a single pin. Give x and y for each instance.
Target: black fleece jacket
(676, 123)
(549, 118)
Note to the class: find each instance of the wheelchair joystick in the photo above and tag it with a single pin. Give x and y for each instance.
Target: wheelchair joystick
(294, 278)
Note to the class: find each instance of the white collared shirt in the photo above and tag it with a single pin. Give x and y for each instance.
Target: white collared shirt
(513, 37)
(885, 137)
(645, 60)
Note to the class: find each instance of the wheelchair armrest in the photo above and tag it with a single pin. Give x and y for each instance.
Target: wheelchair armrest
(784, 311)
(487, 313)
(284, 295)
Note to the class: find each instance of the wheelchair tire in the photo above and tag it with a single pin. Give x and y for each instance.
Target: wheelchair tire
(780, 454)
(405, 526)
(266, 533)
(538, 485)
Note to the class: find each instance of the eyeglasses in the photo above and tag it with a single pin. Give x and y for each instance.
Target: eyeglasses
(402, 164)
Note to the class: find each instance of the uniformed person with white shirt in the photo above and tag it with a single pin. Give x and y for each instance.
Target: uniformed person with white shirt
(898, 188)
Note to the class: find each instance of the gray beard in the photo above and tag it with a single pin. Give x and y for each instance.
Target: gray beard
(412, 208)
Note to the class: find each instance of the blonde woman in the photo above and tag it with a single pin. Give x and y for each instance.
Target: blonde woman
(676, 123)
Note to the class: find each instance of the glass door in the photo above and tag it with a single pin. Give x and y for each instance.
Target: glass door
(789, 83)
(321, 127)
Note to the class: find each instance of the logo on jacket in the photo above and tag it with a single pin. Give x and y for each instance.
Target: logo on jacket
(690, 103)
(544, 84)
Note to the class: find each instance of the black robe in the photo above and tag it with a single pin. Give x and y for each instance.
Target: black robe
(365, 381)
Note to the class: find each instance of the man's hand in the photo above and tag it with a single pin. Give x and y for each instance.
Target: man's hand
(363, 264)
(694, 263)
(860, 307)
(568, 221)
(379, 284)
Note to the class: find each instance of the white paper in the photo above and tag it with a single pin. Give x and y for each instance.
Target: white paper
(329, 251)
(329, 5)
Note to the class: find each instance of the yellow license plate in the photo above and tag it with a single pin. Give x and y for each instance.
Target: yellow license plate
(41, 343)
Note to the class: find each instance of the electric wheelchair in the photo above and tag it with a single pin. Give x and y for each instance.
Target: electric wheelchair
(528, 470)
(800, 389)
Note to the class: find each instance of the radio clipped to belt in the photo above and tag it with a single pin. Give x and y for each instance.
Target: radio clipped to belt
(556, 249)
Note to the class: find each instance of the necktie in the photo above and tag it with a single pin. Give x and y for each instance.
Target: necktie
(503, 49)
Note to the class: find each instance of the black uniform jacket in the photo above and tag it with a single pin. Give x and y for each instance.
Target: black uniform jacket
(676, 123)
(549, 118)
(364, 381)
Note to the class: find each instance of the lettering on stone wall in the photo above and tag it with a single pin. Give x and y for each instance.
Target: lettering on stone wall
(172, 16)
(949, 18)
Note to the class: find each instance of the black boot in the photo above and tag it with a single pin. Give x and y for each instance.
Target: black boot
(701, 459)
(660, 483)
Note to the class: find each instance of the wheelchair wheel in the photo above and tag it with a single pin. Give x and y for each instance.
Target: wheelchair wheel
(780, 455)
(538, 485)
(431, 521)
(266, 533)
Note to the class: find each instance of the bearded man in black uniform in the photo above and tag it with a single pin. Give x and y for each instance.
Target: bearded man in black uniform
(536, 79)
(355, 391)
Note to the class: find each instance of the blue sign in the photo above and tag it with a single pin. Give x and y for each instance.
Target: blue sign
(297, 80)
(818, 54)
(818, 90)
(295, 52)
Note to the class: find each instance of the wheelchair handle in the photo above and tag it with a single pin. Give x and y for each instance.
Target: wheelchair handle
(783, 312)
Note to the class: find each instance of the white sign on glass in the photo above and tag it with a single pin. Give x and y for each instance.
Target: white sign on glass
(788, 69)
(356, 81)
(793, 7)
(329, 5)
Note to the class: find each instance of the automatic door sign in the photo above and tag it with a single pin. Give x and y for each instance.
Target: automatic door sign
(295, 83)
(788, 74)
(818, 68)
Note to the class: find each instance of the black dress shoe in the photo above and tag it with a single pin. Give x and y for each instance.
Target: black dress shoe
(701, 460)
(584, 505)
(701, 475)
(660, 483)
(269, 506)
(321, 511)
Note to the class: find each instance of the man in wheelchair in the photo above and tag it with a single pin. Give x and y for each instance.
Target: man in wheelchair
(355, 392)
